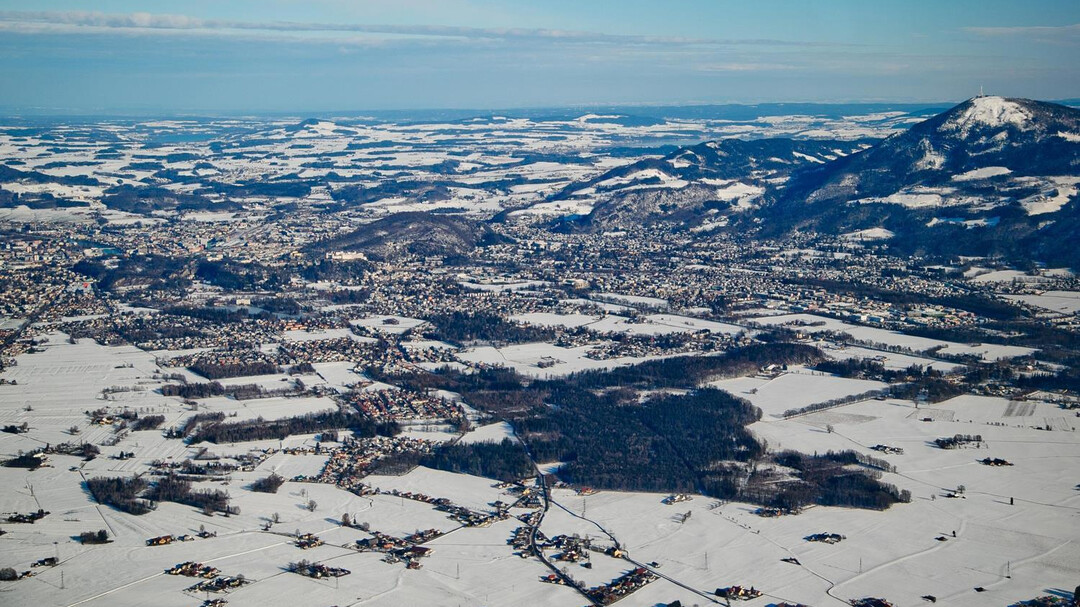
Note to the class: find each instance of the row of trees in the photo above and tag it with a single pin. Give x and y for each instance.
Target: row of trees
(211, 370)
(260, 429)
(209, 389)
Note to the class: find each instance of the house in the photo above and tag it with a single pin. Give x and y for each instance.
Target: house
(160, 541)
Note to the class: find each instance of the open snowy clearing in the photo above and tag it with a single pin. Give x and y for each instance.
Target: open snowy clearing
(794, 390)
(394, 325)
(811, 323)
(1065, 302)
(544, 360)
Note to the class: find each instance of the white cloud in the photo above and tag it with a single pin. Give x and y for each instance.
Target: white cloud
(146, 23)
(746, 67)
(1043, 33)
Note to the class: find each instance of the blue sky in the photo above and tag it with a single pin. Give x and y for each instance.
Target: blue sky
(337, 55)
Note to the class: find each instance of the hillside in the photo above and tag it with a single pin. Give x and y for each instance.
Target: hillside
(694, 183)
(413, 233)
(991, 176)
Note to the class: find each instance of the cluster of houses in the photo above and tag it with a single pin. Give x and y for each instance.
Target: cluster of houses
(193, 569)
(622, 586)
(531, 518)
(526, 496)
(165, 540)
(308, 540)
(995, 461)
(472, 518)
(404, 405)
(522, 540)
(461, 514)
(318, 571)
(677, 498)
(424, 536)
(350, 463)
(572, 548)
(740, 593)
(397, 549)
(888, 450)
(219, 584)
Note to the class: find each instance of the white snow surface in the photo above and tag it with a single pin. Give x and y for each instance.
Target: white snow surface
(982, 173)
(892, 553)
(990, 111)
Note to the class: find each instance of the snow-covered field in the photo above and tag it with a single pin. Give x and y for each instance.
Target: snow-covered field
(1014, 551)
(651, 324)
(891, 360)
(794, 390)
(544, 360)
(811, 323)
(388, 324)
(1065, 302)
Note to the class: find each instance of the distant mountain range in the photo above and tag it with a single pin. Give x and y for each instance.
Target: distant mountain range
(991, 176)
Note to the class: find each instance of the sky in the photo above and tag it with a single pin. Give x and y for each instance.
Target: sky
(251, 56)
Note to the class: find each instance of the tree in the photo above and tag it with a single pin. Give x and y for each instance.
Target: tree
(345, 520)
(311, 505)
(275, 518)
(270, 484)
(94, 537)
(7, 574)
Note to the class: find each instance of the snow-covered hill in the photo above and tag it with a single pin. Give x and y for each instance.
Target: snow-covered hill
(992, 175)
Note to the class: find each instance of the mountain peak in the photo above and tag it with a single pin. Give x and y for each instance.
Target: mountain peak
(989, 112)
